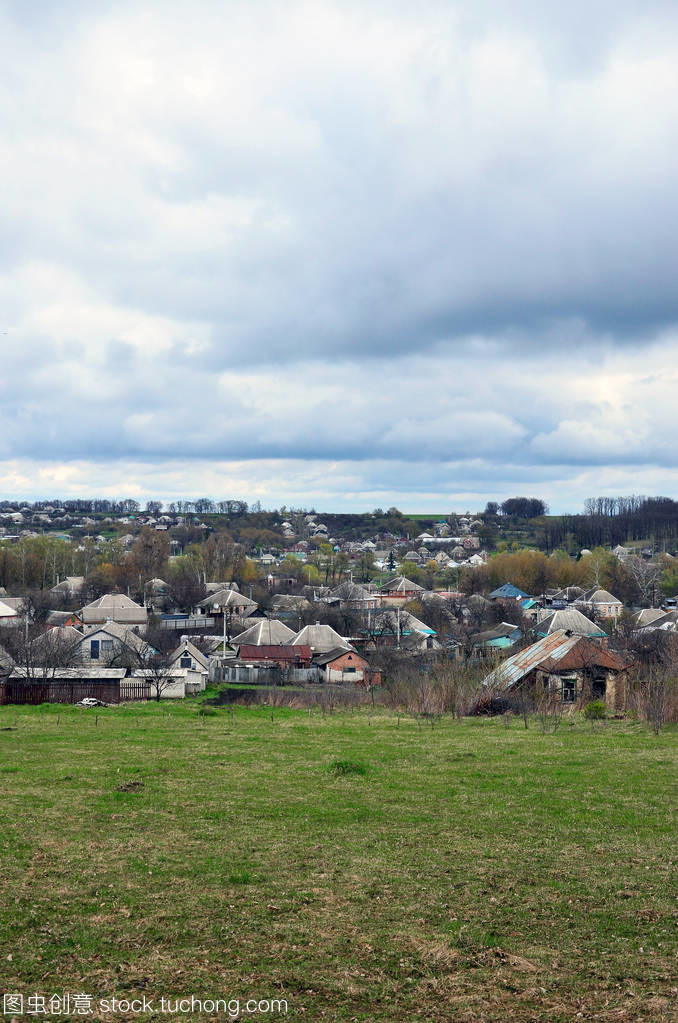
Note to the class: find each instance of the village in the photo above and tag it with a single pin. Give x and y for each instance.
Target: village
(160, 604)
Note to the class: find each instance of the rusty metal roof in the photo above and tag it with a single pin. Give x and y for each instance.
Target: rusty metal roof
(250, 652)
(553, 652)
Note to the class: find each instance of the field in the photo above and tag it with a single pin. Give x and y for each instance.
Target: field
(363, 869)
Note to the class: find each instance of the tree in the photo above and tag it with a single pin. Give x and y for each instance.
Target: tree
(159, 674)
(186, 587)
(204, 506)
(365, 567)
(149, 553)
(37, 653)
(646, 575)
(149, 660)
(524, 507)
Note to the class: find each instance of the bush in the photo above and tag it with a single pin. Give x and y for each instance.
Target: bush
(344, 767)
(595, 710)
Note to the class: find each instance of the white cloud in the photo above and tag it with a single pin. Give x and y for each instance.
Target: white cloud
(339, 235)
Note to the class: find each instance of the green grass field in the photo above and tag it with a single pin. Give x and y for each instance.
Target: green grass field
(362, 869)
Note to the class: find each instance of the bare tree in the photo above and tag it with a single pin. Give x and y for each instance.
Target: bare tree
(40, 654)
(645, 574)
(159, 674)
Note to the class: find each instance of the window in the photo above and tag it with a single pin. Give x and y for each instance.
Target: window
(107, 646)
(94, 650)
(569, 690)
(185, 661)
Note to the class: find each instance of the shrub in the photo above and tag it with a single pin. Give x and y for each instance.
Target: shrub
(595, 710)
(344, 767)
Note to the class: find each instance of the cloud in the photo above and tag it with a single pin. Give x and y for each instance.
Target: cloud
(339, 234)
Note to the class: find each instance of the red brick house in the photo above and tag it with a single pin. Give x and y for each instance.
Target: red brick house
(346, 666)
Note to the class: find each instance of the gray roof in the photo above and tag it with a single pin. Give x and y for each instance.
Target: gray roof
(568, 593)
(189, 648)
(6, 661)
(73, 673)
(597, 596)
(71, 584)
(570, 620)
(228, 598)
(114, 606)
(290, 602)
(320, 638)
(667, 622)
(400, 584)
(267, 632)
(648, 615)
(351, 591)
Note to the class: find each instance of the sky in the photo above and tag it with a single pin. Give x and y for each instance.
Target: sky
(338, 254)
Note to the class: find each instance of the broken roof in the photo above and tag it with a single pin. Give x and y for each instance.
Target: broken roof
(559, 651)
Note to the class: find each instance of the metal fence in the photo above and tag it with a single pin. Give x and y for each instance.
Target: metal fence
(273, 676)
(189, 623)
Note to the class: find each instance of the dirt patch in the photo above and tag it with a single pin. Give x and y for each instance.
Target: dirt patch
(130, 786)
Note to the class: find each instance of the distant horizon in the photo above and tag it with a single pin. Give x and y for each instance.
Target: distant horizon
(310, 505)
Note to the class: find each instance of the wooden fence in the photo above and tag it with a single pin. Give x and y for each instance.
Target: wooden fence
(27, 691)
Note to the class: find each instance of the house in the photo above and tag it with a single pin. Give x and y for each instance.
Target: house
(400, 589)
(668, 622)
(62, 685)
(351, 595)
(156, 588)
(110, 642)
(289, 604)
(601, 602)
(214, 587)
(69, 587)
(320, 638)
(559, 599)
(569, 620)
(187, 655)
(229, 602)
(397, 627)
(58, 646)
(344, 665)
(7, 612)
(508, 592)
(114, 607)
(267, 631)
(292, 655)
(274, 665)
(174, 684)
(64, 618)
(6, 662)
(647, 616)
(419, 642)
(571, 669)
(500, 637)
